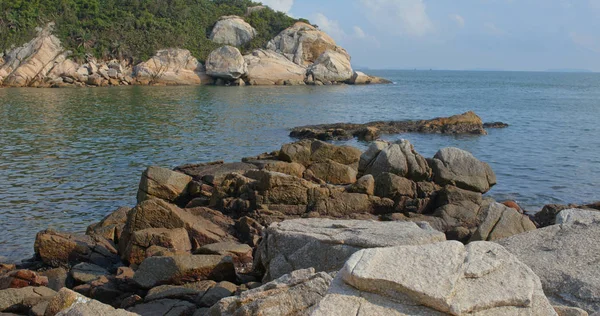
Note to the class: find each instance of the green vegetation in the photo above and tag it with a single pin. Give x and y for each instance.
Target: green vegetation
(132, 29)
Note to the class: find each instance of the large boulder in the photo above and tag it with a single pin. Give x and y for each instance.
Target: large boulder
(31, 62)
(307, 152)
(146, 242)
(182, 269)
(334, 172)
(565, 257)
(460, 168)
(326, 244)
(499, 221)
(232, 30)
(279, 188)
(172, 67)
(62, 250)
(157, 182)
(21, 299)
(399, 158)
(157, 213)
(331, 66)
(226, 63)
(303, 43)
(266, 67)
(291, 294)
(481, 278)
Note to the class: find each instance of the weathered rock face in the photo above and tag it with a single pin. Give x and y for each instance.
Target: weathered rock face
(499, 221)
(326, 244)
(214, 173)
(172, 67)
(21, 299)
(31, 62)
(291, 294)
(69, 303)
(565, 257)
(227, 63)
(59, 249)
(331, 66)
(575, 215)
(111, 226)
(399, 158)
(184, 269)
(303, 44)
(481, 278)
(148, 242)
(232, 30)
(21, 278)
(162, 183)
(160, 214)
(460, 168)
(266, 67)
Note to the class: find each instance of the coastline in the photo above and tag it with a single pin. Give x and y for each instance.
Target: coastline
(202, 218)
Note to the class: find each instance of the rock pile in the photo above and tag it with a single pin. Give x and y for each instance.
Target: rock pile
(267, 236)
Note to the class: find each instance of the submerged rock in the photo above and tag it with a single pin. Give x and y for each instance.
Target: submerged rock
(466, 123)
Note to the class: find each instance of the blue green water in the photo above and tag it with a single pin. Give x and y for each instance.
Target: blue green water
(70, 156)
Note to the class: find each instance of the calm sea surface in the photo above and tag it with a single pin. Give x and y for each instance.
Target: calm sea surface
(70, 156)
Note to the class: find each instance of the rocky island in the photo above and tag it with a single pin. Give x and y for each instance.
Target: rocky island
(299, 55)
(317, 229)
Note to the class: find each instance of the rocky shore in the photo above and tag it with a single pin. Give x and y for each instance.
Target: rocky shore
(299, 55)
(317, 229)
(466, 123)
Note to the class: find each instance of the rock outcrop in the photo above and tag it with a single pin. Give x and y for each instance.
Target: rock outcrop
(232, 30)
(565, 257)
(446, 278)
(466, 123)
(226, 63)
(458, 167)
(267, 67)
(157, 182)
(29, 64)
(172, 67)
(331, 66)
(359, 77)
(303, 44)
(326, 244)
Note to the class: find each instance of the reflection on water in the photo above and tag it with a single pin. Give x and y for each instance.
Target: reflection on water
(70, 156)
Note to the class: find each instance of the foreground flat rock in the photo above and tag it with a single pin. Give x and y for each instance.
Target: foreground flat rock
(291, 294)
(445, 278)
(577, 215)
(565, 257)
(184, 269)
(326, 244)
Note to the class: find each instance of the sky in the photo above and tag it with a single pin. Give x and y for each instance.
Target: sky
(528, 35)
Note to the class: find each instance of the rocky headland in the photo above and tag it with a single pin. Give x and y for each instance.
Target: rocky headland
(317, 229)
(299, 55)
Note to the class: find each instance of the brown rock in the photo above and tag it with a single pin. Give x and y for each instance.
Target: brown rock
(513, 205)
(22, 278)
(60, 249)
(333, 172)
(157, 182)
(111, 226)
(241, 254)
(394, 187)
(176, 240)
(364, 185)
(213, 173)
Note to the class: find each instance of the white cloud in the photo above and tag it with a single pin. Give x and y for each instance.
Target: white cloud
(331, 27)
(358, 32)
(279, 5)
(491, 28)
(404, 17)
(586, 41)
(458, 19)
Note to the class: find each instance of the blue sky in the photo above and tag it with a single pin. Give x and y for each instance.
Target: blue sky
(459, 34)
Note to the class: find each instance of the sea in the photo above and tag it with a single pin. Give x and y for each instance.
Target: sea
(68, 157)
